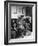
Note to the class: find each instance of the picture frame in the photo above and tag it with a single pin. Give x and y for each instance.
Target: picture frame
(7, 20)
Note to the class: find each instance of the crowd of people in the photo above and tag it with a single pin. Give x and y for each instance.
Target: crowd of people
(21, 27)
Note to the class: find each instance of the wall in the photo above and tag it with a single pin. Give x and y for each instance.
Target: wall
(16, 11)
